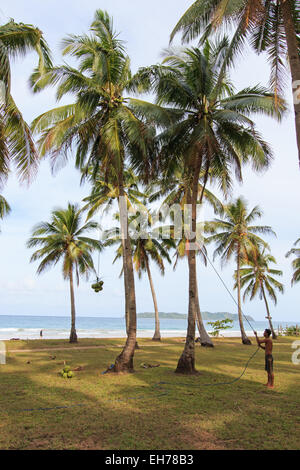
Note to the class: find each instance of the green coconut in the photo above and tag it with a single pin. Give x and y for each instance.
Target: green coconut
(70, 374)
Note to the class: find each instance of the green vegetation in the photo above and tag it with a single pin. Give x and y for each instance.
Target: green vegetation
(175, 316)
(291, 331)
(220, 325)
(187, 417)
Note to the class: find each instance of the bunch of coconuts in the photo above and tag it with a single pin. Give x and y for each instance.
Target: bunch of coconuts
(98, 286)
(66, 373)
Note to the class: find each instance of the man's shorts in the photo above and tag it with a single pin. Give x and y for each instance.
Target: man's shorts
(269, 363)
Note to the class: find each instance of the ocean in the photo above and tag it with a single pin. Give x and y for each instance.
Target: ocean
(28, 327)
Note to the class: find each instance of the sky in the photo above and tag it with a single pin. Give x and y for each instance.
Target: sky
(145, 27)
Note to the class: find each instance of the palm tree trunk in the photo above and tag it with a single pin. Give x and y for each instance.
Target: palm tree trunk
(205, 340)
(127, 312)
(294, 60)
(73, 334)
(274, 336)
(245, 339)
(186, 363)
(156, 336)
(124, 362)
(126, 306)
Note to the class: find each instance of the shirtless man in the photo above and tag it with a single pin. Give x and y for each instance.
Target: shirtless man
(268, 355)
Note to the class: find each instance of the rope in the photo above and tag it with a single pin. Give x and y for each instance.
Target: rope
(158, 384)
(217, 383)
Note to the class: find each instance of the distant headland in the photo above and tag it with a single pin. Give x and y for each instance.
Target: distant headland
(207, 316)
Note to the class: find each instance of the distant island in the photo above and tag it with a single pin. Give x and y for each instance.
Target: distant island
(207, 316)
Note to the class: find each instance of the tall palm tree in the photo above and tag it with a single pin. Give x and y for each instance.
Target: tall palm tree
(258, 279)
(235, 236)
(64, 239)
(215, 133)
(296, 262)
(102, 197)
(182, 251)
(104, 128)
(146, 246)
(175, 186)
(16, 144)
(271, 26)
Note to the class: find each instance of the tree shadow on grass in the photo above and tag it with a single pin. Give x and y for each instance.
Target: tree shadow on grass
(242, 415)
(36, 419)
(133, 411)
(112, 414)
(267, 421)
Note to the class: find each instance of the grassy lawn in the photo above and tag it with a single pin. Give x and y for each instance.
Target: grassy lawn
(132, 412)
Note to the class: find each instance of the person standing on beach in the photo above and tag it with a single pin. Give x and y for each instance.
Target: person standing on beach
(268, 355)
(41, 334)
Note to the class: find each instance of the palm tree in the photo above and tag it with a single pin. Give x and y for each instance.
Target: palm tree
(104, 128)
(146, 246)
(182, 250)
(258, 279)
(235, 236)
(214, 133)
(271, 26)
(16, 144)
(64, 239)
(4, 207)
(102, 196)
(296, 262)
(176, 186)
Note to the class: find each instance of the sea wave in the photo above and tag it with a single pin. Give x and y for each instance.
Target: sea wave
(8, 329)
(34, 333)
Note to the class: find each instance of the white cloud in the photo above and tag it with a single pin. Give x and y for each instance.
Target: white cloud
(21, 286)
